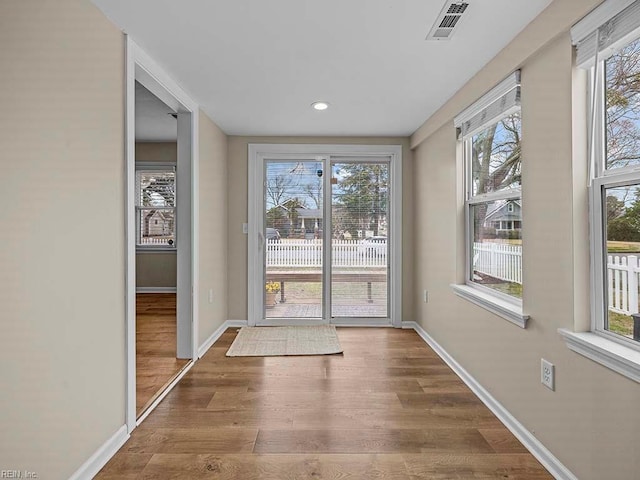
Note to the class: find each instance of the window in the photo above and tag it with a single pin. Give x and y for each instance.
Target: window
(615, 194)
(489, 132)
(608, 48)
(492, 158)
(156, 206)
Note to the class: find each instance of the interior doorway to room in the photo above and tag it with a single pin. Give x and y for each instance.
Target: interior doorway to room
(156, 204)
(327, 236)
(161, 233)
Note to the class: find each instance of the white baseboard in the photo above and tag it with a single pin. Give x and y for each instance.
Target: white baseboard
(100, 457)
(537, 449)
(217, 333)
(156, 290)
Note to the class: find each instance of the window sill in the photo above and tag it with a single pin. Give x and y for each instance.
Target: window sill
(617, 357)
(508, 311)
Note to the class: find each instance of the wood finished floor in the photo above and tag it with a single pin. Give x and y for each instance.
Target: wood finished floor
(388, 408)
(156, 362)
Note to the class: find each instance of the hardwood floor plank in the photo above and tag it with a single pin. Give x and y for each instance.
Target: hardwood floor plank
(472, 466)
(189, 440)
(124, 466)
(344, 385)
(276, 467)
(502, 440)
(293, 400)
(341, 419)
(186, 418)
(371, 441)
(391, 372)
(435, 400)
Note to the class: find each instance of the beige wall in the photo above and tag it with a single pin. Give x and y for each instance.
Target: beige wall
(157, 152)
(238, 212)
(590, 423)
(156, 269)
(213, 225)
(62, 254)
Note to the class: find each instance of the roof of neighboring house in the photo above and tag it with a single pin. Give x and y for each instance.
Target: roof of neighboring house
(309, 212)
(152, 213)
(497, 209)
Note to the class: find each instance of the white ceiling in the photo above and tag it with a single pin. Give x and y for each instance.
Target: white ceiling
(154, 122)
(255, 66)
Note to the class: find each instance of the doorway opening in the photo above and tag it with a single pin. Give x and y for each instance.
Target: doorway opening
(161, 160)
(324, 234)
(156, 157)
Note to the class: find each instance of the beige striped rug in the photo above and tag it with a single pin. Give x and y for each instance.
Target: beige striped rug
(276, 341)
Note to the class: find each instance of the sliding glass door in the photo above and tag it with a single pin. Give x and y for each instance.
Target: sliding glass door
(323, 258)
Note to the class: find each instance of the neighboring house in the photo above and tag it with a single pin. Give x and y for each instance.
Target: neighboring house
(157, 224)
(505, 217)
(309, 219)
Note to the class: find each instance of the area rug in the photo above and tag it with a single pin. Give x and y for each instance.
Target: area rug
(276, 341)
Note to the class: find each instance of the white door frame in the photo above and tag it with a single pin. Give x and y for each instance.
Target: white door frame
(141, 67)
(257, 154)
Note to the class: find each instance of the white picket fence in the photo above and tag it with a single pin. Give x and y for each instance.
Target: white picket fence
(308, 253)
(622, 283)
(499, 260)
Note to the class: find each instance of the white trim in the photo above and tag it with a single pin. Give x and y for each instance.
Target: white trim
(257, 153)
(165, 392)
(611, 354)
(156, 289)
(102, 455)
(507, 310)
(195, 230)
(130, 237)
(206, 345)
(537, 449)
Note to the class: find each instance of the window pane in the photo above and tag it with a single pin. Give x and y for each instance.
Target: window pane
(496, 257)
(157, 226)
(360, 246)
(495, 157)
(622, 131)
(156, 188)
(622, 207)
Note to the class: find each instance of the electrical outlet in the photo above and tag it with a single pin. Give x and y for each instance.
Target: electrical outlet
(211, 295)
(425, 296)
(547, 374)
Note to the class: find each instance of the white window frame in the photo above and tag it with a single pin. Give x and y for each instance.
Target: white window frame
(503, 305)
(160, 167)
(614, 24)
(603, 179)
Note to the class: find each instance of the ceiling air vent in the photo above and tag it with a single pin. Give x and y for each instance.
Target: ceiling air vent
(446, 22)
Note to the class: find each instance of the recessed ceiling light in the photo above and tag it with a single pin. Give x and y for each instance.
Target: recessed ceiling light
(320, 105)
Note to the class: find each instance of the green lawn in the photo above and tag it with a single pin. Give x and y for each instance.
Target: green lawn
(621, 324)
(510, 288)
(623, 247)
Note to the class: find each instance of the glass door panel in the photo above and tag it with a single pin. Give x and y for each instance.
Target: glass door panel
(360, 239)
(293, 220)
